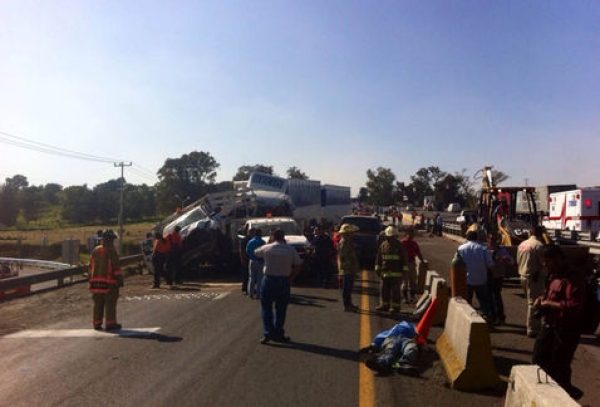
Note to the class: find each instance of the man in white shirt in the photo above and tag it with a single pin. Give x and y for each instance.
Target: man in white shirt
(282, 264)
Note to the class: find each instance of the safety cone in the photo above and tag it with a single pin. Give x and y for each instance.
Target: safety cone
(425, 322)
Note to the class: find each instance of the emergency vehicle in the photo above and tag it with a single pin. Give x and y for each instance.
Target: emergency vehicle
(577, 210)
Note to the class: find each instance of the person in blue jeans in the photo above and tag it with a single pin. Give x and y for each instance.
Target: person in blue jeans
(282, 265)
(479, 263)
(394, 349)
(255, 265)
(503, 261)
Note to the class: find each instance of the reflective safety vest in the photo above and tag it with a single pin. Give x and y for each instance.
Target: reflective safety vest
(391, 259)
(104, 270)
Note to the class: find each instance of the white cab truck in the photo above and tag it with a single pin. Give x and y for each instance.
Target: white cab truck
(293, 234)
(577, 210)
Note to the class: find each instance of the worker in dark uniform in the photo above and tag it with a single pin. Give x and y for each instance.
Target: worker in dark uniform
(105, 278)
(389, 265)
(324, 256)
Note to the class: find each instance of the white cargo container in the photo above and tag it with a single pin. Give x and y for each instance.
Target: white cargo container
(577, 210)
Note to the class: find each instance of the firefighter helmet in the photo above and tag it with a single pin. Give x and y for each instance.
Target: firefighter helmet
(348, 228)
(391, 231)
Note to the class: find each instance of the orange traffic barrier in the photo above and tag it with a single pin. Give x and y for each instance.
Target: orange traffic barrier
(425, 322)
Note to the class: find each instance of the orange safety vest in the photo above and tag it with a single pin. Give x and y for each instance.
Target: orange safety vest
(104, 269)
(161, 246)
(175, 242)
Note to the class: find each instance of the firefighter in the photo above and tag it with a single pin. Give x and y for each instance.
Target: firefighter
(105, 278)
(389, 264)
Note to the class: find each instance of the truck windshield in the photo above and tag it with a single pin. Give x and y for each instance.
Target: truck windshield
(365, 225)
(289, 228)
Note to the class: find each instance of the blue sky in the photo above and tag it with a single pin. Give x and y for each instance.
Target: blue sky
(333, 87)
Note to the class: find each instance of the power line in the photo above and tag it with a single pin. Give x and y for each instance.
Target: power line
(22, 142)
(46, 148)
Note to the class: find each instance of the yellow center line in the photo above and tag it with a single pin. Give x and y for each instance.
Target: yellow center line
(366, 383)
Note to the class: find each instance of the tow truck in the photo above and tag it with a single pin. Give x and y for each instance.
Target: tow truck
(508, 211)
(519, 214)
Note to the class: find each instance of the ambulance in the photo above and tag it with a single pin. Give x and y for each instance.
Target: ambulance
(577, 210)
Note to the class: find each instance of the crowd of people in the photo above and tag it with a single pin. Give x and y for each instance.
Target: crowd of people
(334, 262)
(554, 292)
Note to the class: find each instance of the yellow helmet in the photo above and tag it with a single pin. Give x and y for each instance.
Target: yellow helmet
(391, 231)
(347, 228)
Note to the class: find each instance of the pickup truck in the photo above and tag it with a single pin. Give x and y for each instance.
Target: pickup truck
(293, 234)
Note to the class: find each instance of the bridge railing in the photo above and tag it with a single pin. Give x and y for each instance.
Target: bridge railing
(128, 264)
(453, 228)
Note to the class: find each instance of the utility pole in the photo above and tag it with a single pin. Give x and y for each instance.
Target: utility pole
(122, 165)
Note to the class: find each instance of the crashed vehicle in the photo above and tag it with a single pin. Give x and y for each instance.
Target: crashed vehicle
(208, 226)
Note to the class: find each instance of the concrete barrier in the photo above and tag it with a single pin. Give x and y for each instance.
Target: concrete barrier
(422, 268)
(531, 386)
(439, 289)
(465, 349)
(436, 286)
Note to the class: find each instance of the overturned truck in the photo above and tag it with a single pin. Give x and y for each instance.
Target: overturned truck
(210, 226)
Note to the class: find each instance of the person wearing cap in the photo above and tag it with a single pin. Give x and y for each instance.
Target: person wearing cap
(105, 278)
(348, 265)
(389, 265)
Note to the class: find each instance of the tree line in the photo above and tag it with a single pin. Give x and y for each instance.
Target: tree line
(185, 179)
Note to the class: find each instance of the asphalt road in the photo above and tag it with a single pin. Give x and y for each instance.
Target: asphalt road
(199, 346)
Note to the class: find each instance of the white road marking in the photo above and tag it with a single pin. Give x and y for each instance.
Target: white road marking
(175, 296)
(222, 295)
(80, 333)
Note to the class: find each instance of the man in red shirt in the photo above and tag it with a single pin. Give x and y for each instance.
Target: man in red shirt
(560, 310)
(409, 278)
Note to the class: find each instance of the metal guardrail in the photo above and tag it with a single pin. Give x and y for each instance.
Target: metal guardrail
(452, 228)
(42, 264)
(60, 275)
(558, 236)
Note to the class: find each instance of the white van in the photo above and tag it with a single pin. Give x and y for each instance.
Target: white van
(293, 233)
(454, 207)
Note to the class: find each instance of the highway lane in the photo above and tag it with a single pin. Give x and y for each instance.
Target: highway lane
(206, 350)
